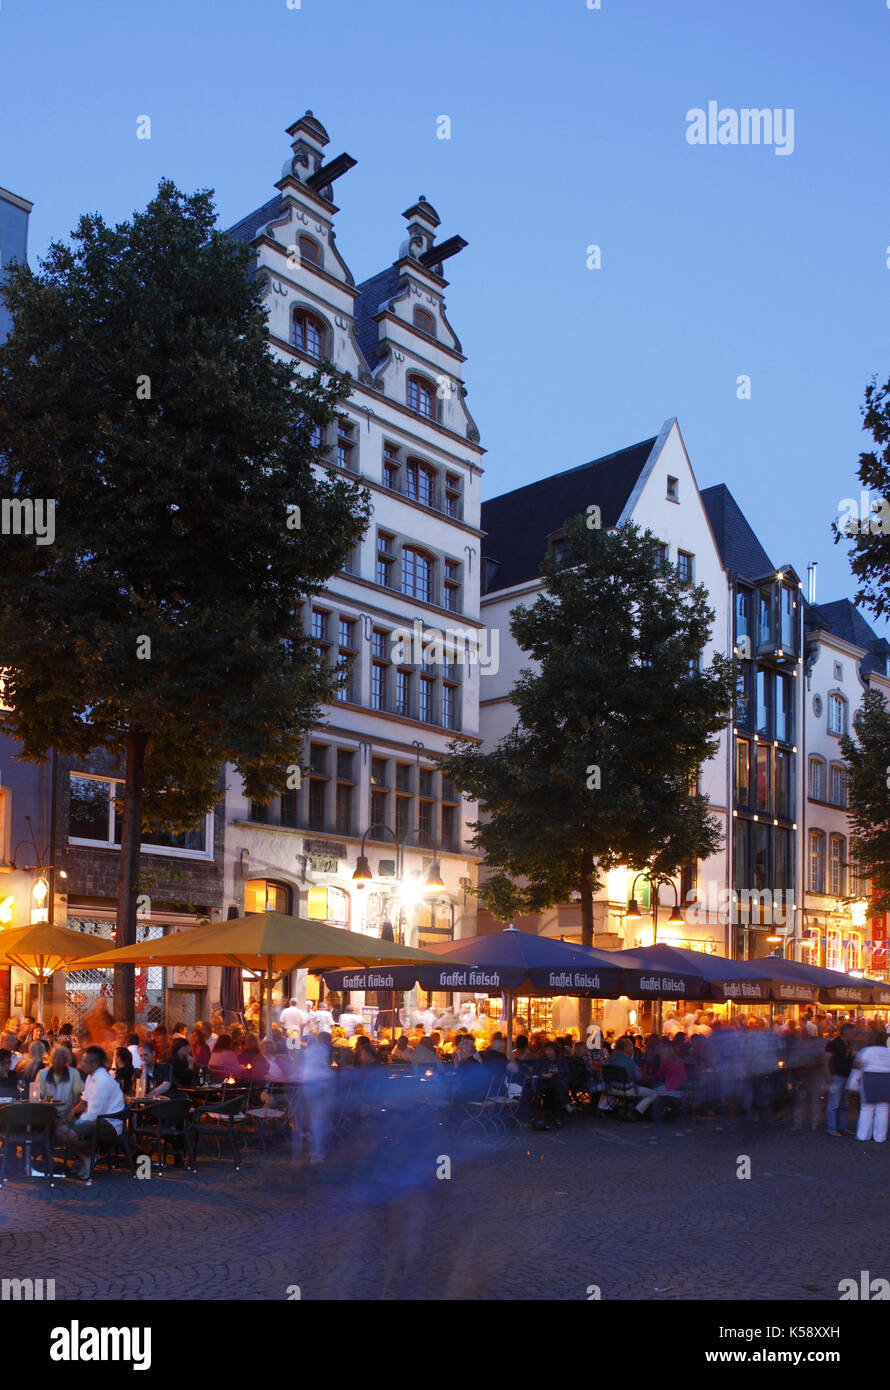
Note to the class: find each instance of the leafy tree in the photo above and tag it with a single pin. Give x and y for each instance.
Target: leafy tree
(138, 394)
(613, 722)
(870, 549)
(868, 786)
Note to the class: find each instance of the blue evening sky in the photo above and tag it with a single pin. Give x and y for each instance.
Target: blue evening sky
(568, 129)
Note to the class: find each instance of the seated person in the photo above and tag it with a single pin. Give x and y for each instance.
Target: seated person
(30, 1067)
(9, 1082)
(158, 1076)
(181, 1064)
(223, 1059)
(199, 1049)
(622, 1057)
(494, 1057)
(61, 1082)
(471, 1079)
(101, 1096)
(123, 1070)
(401, 1054)
(254, 1066)
(552, 1077)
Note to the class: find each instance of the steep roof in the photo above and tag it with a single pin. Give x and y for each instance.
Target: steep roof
(740, 550)
(518, 523)
(846, 622)
(371, 294)
(251, 225)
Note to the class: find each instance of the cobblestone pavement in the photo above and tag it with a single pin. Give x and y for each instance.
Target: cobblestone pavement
(536, 1216)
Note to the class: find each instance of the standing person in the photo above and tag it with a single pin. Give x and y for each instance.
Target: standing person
(874, 1100)
(101, 1096)
(318, 1092)
(349, 1020)
(839, 1064)
(293, 1018)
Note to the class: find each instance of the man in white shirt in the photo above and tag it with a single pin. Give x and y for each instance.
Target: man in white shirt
(321, 1019)
(101, 1096)
(349, 1021)
(293, 1018)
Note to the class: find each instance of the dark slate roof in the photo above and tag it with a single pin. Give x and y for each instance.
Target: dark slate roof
(740, 550)
(251, 225)
(846, 622)
(518, 523)
(371, 294)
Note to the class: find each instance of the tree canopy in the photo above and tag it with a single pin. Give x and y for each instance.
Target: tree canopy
(868, 786)
(614, 720)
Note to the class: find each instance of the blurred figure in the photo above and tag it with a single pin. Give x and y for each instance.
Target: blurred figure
(10, 1036)
(8, 1079)
(223, 1059)
(199, 1049)
(838, 1056)
(30, 1067)
(318, 1091)
(182, 1067)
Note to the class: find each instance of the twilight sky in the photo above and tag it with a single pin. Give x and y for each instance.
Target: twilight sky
(568, 130)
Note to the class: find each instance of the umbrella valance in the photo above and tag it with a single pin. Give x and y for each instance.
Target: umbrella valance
(751, 981)
(524, 963)
(832, 986)
(43, 948)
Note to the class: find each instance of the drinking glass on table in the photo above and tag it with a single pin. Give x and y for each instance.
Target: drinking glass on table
(21, 1088)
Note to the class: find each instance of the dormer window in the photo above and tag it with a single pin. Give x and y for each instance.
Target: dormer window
(422, 397)
(310, 251)
(308, 333)
(425, 322)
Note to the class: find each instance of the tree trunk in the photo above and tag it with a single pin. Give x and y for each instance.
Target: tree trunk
(131, 839)
(586, 928)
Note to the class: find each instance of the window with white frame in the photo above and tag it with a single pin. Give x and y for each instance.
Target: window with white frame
(837, 785)
(94, 818)
(837, 714)
(837, 875)
(816, 879)
(817, 779)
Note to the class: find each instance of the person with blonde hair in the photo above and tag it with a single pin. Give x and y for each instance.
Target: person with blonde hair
(61, 1082)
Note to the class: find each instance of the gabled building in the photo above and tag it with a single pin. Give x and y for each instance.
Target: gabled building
(407, 435)
(653, 485)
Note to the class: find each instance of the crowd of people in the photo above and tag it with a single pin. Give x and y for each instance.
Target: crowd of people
(804, 1071)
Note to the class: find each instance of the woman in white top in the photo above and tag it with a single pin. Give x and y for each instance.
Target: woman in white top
(874, 1113)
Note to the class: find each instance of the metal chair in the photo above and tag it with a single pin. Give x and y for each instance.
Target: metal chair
(218, 1117)
(164, 1124)
(23, 1125)
(620, 1093)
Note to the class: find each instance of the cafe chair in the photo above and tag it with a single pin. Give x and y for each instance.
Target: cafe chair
(164, 1125)
(620, 1094)
(483, 1114)
(27, 1126)
(221, 1117)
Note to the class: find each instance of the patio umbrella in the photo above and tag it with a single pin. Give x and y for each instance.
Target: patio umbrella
(833, 986)
(514, 962)
(269, 944)
(44, 948)
(716, 977)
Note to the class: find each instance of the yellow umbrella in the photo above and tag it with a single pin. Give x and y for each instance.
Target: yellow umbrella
(42, 948)
(270, 944)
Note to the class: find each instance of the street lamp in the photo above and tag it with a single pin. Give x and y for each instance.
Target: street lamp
(633, 908)
(362, 873)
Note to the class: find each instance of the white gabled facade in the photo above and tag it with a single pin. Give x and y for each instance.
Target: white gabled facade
(664, 497)
(408, 437)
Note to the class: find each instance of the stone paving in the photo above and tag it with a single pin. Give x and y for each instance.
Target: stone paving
(535, 1216)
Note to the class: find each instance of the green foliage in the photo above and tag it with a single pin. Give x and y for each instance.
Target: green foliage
(616, 640)
(137, 390)
(870, 549)
(868, 774)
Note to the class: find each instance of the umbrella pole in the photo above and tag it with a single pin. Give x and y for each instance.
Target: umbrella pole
(509, 1023)
(40, 997)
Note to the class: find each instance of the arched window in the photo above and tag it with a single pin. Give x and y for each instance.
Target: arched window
(837, 714)
(425, 322)
(422, 396)
(817, 779)
(308, 333)
(816, 879)
(420, 482)
(837, 785)
(264, 895)
(310, 251)
(417, 574)
(837, 868)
